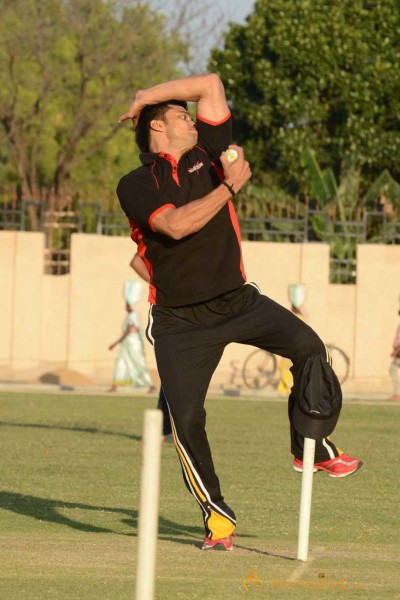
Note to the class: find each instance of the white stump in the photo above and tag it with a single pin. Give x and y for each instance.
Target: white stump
(306, 498)
(148, 505)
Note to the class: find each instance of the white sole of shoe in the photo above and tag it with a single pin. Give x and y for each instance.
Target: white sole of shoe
(299, 470)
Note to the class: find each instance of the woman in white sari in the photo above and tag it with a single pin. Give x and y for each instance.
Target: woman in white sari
(130, 367)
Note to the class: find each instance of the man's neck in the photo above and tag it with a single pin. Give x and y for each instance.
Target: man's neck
(177, 153)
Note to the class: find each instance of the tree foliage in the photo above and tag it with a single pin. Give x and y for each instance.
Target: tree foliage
(68, 69)
(317, 74)
(345, 193)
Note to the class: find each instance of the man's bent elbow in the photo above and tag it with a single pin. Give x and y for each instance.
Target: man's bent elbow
(170, 223)
(178, 233)
(175, 232)
(215, 82)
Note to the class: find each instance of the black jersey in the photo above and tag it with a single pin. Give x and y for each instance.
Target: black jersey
(202, 265)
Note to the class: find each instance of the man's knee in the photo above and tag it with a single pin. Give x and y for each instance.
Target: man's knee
(189, 423)
(307, 343)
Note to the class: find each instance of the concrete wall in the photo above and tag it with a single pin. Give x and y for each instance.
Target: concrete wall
(21, 299)
(69, 321)
(7, 269)
(377, 305)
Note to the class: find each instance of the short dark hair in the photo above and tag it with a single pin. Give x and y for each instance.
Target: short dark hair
(148, 113)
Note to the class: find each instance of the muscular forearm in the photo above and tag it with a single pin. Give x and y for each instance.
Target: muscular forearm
(188, 89)
(180, 222)
(207, 89)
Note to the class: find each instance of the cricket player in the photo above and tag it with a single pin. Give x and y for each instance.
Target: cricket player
(179, 205)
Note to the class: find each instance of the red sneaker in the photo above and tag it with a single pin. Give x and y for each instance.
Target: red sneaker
(218, 544)
(340, 466)
(298, 466)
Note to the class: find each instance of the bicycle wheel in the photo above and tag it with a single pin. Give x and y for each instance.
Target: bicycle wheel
(340, 362)
(258, 369)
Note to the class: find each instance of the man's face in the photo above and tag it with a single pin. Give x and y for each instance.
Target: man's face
(180, 127)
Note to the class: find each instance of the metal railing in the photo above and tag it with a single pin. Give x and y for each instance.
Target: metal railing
(317, 226)
(14, 217)
(312, 226)
(93, 219)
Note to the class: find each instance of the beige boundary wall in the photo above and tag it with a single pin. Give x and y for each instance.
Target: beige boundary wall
(50, 322)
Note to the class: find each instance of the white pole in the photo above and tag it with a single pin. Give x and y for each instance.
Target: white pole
(305, 498)
(148, 505)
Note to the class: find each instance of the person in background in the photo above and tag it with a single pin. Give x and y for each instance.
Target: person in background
(130, 366)
(395, 366)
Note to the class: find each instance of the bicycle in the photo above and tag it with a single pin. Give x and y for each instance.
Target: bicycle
(261, 367)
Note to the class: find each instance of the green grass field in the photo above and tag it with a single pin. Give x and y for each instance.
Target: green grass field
(69, 498)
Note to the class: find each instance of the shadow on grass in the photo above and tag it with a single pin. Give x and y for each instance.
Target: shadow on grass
(92, 430)
(264, 552)
(46, 509)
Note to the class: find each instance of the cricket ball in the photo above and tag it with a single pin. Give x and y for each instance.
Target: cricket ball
(231, 155)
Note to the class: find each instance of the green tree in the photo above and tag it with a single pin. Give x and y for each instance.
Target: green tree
(316, 73)
(68, 69)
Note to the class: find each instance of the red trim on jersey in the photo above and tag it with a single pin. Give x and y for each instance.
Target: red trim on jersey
(219, 171)
(137, 237)
(157, 212)
(152, 294)
(152, 289)
(154, 175)
(215, 123)
(174, 166)
(201, 150)
(136, 232)
(236, 227)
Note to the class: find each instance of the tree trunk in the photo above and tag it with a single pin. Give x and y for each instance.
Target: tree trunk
(31, 209)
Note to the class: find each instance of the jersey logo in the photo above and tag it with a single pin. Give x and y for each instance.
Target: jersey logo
(196, 167)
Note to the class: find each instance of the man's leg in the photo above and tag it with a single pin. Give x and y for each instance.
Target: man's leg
(325, 449)
(162, 405)
(186, 359)
(261, 322)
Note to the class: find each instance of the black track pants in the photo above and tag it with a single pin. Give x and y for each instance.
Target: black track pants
(162, 405)
(188, 343)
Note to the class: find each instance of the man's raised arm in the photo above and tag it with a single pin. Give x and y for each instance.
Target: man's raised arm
(206, 90)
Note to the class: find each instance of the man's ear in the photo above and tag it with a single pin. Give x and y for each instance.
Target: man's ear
(157, 125)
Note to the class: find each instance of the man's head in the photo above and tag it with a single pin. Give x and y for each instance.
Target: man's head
(160, 118)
